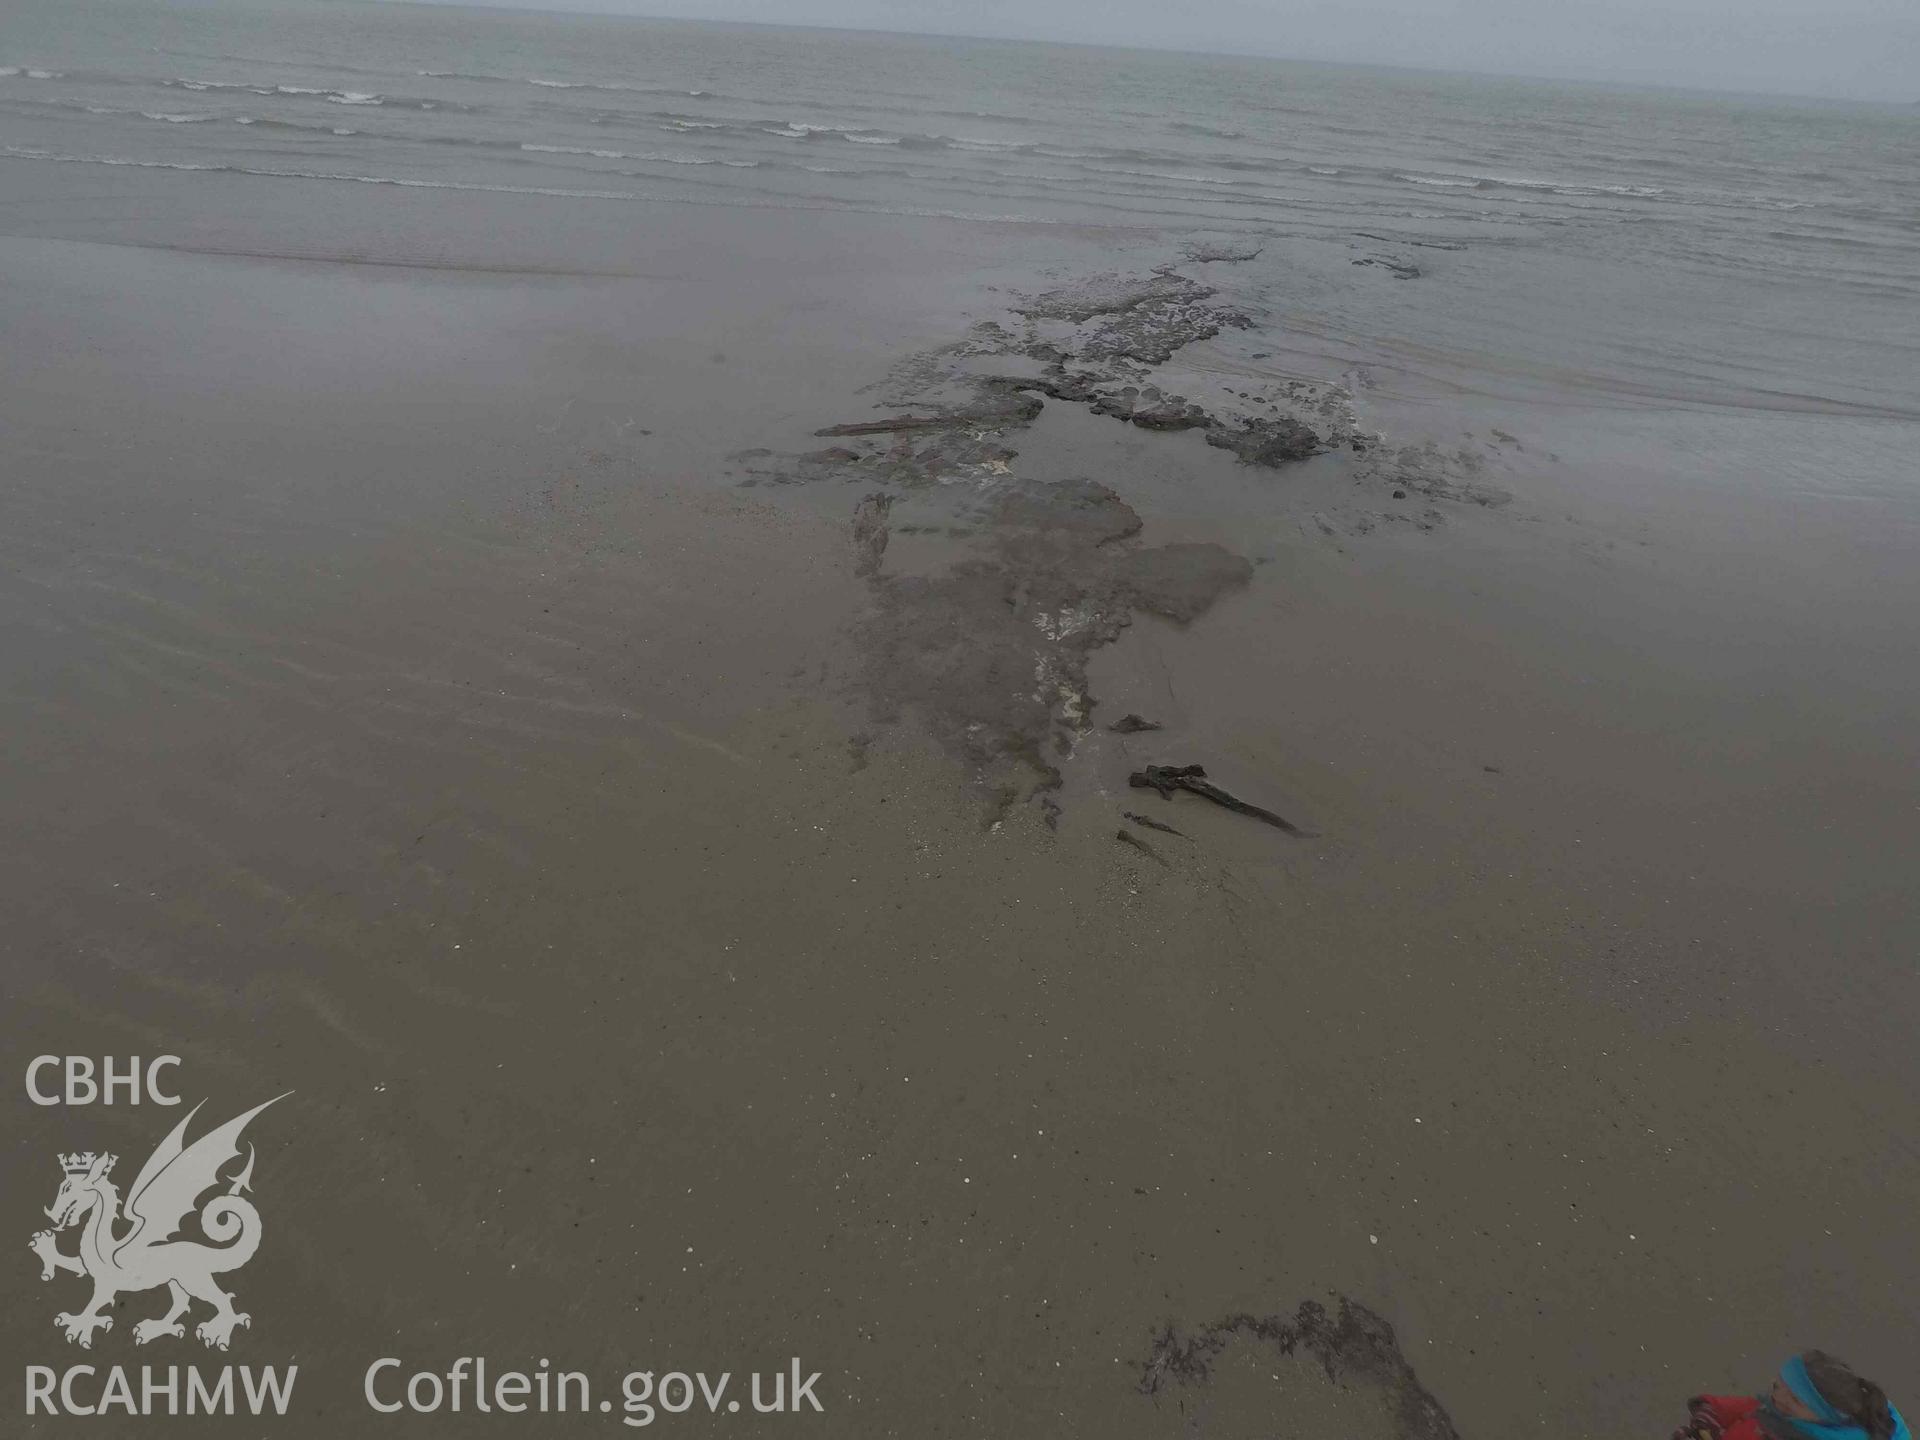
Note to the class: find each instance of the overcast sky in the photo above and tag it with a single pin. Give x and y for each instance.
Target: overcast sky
(1864, 49)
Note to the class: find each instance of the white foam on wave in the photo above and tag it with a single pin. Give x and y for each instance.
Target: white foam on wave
(659, 156)
(1522, 182)
(805, 130)
(801, 130)
(1527, 182)
(25, 153)
(201, 85)
(1173, 175)
(21, 152)
(45, 75)
(578, 150)
(332, 97)
(541, 81)
(684, 159)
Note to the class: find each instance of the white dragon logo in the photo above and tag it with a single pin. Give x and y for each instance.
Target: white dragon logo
(149, 1254)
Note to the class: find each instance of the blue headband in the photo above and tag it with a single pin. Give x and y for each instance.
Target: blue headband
(1794, 1372)
(1829, 1422)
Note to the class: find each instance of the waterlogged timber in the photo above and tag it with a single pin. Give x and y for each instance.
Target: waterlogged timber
(1165, 779)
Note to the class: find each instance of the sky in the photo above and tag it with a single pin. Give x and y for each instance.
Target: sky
(1855, 49)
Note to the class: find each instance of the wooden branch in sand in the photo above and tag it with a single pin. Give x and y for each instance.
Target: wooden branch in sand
(1165, 779)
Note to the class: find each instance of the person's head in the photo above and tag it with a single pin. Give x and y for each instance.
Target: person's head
(1815, 1386)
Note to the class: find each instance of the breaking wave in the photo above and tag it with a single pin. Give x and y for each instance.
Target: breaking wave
(762, 201)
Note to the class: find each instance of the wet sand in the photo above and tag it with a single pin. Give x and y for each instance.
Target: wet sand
(407, 705)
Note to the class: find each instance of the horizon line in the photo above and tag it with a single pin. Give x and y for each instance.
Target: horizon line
(1676, 87)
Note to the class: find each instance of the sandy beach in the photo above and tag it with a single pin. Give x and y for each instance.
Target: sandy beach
(684, 868)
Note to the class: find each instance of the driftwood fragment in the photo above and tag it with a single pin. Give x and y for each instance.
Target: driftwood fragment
(998, 403)
(1152, 824)
(1165, 779)
(1399, 268)
(894, 424)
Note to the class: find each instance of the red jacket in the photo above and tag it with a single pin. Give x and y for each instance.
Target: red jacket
(1732, 1417)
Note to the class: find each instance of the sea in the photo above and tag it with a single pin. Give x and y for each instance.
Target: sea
(1635, 244)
